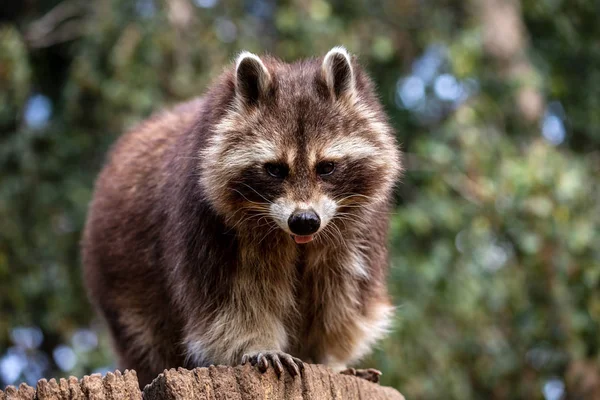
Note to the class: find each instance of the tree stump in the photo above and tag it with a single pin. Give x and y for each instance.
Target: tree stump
(212, 383)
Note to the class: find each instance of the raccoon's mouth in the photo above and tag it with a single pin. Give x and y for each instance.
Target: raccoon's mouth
(303, 239)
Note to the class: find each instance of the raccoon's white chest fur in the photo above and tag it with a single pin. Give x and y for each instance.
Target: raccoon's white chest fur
(348, 318)
(316, 311)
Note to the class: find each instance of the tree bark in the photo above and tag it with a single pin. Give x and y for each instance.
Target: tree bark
(237, 383)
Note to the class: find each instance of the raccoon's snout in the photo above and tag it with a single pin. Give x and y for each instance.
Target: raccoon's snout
(304, 222)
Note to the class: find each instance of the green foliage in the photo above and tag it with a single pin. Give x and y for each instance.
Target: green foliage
(495, 255)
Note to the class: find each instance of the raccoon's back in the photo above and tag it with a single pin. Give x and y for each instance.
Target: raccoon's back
(120, 246)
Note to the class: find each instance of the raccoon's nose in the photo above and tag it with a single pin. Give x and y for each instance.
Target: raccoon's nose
(304, 222)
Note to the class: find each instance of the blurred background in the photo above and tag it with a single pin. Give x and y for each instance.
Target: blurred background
(495, 238)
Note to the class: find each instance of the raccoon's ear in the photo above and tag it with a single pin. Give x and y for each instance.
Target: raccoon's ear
(252, 78)
(338, 72)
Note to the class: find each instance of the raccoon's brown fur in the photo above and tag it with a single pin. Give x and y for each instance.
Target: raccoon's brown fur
(187, 253)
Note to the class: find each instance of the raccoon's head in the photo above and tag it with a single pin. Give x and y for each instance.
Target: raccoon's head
(302, 149)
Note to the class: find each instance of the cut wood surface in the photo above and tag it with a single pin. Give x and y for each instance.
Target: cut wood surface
(221, 382)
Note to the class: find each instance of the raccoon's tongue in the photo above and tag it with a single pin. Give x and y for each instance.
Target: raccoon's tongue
(302, 239)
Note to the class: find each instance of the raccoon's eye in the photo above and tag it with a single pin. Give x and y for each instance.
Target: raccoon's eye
(325, 168)
(279, 171)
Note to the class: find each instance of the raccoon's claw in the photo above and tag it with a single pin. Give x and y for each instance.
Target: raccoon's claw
(371, 374)
(278, 360)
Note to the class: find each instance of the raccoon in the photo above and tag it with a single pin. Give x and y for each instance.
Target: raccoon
(249, 225)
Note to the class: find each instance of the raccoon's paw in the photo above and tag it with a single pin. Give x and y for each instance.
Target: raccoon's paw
(370, 374)
(277, 358)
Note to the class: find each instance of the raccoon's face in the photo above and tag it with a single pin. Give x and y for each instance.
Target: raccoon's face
(303, 148)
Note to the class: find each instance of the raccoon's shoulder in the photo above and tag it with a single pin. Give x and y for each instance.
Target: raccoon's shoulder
(135, 165)
(152, 135)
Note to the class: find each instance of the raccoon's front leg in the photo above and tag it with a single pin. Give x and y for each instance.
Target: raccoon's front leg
(277, 358)
(236, 335)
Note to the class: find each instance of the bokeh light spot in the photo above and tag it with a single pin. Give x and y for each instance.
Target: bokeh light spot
(38, 111)
(65, 357)
(205, 3)
(410, 92)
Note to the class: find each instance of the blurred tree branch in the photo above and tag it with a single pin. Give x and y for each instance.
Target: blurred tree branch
(505, 40)
(65, 22)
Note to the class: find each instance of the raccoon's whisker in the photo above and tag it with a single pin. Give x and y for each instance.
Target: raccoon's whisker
(326, 237)
(272, 228)
(329, 239)
(365, 206)
(368, 208)
(341, 237)
(267, 221)
(267, 234)
(253, 202)
(350, 216)
(241, 221)
(339, 200)
(330, 235)
(260, 219)
(248, 217)
(347, 223)
(258, 211)
(334, 238)
(254, 190)
(232, 216)
(266, 216)
(343, 197)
